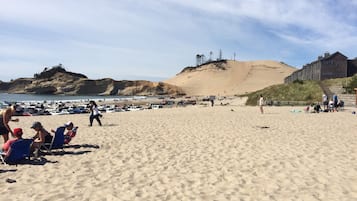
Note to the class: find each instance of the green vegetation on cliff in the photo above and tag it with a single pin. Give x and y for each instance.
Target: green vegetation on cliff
(298, 91)
(348, 83)
(50, 72)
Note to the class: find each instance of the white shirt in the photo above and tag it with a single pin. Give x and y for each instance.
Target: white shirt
(261, 101)
(95, 110)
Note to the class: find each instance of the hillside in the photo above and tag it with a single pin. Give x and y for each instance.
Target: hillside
(58, 81)
(222, 78)
(299, 92)
(229, 77)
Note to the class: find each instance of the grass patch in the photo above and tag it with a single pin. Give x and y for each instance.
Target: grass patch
(293, 93)
(348, 83)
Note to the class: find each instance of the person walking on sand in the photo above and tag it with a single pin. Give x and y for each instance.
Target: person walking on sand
(261, 103)
(94, 113)
(5, 118)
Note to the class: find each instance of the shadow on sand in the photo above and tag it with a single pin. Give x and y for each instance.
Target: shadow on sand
(4, 171)
(108, 125)
(60, 152)
(32, 161)
(41, 160)
(77, 146)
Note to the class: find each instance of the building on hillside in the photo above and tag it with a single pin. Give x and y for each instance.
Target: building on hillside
(352, 67)
(329, 66)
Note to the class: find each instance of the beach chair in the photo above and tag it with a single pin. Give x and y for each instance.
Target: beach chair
(18, 151)
(57, 141)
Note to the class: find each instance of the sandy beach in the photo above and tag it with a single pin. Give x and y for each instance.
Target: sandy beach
(195, 153)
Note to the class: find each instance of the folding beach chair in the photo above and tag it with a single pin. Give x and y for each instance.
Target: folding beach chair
(57, 141)
(18, 151)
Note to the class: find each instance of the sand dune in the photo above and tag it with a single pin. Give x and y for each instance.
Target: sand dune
(236, 78)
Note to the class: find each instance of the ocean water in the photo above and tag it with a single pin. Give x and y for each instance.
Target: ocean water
(5, 97)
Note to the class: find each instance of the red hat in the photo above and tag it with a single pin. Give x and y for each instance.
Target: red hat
(18, 132)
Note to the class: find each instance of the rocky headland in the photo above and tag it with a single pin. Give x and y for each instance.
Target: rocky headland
(222, 78)
(57, 80)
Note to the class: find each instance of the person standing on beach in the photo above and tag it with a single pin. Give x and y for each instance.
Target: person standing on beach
(335, 102)
(211, 99)
(5, 118)
(261, 103)
(325, 101)
(94, 113)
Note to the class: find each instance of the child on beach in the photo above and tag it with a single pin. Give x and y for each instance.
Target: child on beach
(71, 132)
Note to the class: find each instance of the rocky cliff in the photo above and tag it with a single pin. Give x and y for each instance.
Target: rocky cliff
(58, 81)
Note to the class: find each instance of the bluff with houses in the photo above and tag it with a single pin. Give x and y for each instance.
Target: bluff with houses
(328, 66)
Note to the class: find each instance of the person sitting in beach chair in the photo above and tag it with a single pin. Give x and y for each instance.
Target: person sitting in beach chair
(71, 132)
(317, 108)
(41, 137)
(17, 134)
(15, 150)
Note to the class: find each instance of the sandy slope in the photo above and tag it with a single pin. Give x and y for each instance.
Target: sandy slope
(237, 78)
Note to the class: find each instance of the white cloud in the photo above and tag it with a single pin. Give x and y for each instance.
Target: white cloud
(160, 37)
(315, 18)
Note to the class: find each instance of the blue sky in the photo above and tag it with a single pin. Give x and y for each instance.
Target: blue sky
(155, 39)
